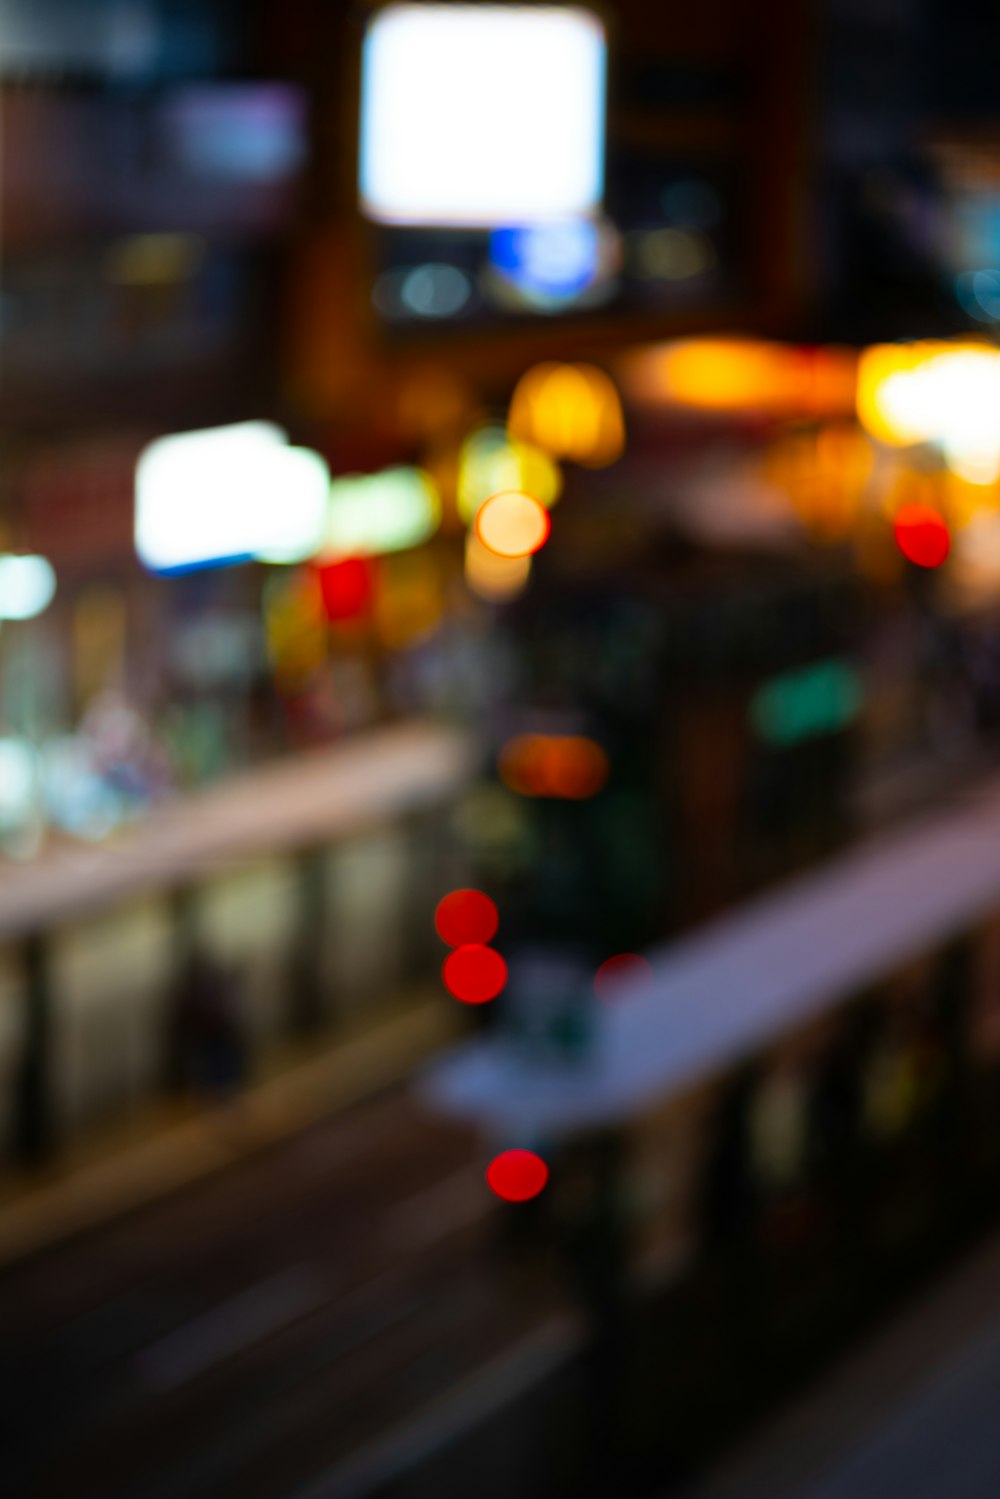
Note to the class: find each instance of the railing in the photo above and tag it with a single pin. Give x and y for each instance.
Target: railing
(779, 1133)
(313, 879)
(746, 980)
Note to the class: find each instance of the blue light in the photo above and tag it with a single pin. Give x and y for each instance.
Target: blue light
(558, 260)
(204, 565)
(979, 294)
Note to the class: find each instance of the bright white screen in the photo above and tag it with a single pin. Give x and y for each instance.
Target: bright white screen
(228, 494)
(482, 115)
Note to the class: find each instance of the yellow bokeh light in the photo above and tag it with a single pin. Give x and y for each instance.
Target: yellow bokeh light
(884, 372)
(496, 579)
(570, 411)
(512, 524)
(541, 476)
(491, 460)
(934, 392)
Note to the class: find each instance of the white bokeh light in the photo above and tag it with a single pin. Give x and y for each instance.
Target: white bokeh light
(27, 586)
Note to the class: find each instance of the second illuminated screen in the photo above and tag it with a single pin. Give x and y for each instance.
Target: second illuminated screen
(482, 115)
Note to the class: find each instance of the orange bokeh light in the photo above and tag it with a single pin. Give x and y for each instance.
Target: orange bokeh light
(512, 524)
(732, 375)
(568, 766)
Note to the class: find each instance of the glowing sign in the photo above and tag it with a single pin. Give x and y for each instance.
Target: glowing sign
(228, 494)
(481, 115)
(386, 512)
(807, 704)
(293, 502)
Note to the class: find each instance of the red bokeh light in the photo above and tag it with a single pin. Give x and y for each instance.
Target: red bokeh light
(921, 535)
(625, 965)
(517, 1175)
(466, 916)
(346, 587)
(474, 974)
